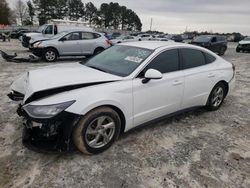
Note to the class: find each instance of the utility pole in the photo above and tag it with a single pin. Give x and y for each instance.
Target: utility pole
(151, 23)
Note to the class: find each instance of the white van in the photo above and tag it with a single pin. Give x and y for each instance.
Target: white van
(54, 27)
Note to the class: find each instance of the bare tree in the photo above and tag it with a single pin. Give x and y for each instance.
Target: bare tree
(21, 11)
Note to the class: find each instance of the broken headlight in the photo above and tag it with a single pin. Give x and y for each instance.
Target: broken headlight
(37, 44)
(46, 111)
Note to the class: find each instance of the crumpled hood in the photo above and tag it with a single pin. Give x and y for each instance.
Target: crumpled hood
(37, 38)
(58, 76)
(244, 42)
(33, 34)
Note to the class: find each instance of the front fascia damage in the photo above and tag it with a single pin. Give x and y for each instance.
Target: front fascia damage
(53, 134)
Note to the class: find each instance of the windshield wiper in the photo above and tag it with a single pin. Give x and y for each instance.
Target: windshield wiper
(97, 68)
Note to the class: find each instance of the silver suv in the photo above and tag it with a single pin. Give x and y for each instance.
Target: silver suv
(71, 43)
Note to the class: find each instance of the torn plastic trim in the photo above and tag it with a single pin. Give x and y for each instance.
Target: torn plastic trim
(15, 96)
(48, 92)
(50, 135)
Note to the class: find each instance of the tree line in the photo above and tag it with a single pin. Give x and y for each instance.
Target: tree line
(108, 15)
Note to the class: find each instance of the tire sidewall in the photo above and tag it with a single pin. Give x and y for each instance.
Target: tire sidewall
(209, 103)
(81, 128)
(52, 50)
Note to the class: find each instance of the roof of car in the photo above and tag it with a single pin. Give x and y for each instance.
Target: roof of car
(152, 45)
(80, 30)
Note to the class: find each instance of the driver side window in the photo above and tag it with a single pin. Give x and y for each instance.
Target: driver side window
(72, 36)
(49, 30)
(167, 61)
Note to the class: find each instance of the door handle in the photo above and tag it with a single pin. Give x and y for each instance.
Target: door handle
(177, 82)
(211, 75)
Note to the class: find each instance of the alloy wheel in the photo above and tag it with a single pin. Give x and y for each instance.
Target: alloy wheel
(50, 55)
(217, 96)
(100, 132)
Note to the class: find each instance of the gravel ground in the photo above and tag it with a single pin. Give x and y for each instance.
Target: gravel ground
(195, 149)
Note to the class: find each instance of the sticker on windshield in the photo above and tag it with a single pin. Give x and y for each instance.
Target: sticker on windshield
(134, 59)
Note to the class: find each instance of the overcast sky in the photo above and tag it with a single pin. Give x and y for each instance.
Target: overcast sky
(174, 16)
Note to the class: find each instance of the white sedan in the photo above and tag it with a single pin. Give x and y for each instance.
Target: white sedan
(89, 105)
(123, 39)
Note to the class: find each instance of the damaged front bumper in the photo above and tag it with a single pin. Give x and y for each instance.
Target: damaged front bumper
(49, 135)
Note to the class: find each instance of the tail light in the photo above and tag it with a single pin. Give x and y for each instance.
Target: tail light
(109, 42)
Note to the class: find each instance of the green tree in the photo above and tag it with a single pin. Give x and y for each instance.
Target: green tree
(48, 9)
(42, 7)
(75, 9)
(90, 12)
(114, 16)
(4, 13)
(31, 12)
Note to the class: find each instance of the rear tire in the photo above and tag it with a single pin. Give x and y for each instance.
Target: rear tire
(50, 55)
(97, 130)
(222, 51)
(216, 97)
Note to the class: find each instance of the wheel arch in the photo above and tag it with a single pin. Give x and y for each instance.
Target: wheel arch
(52, 47)
(225, 84)
(118, 110)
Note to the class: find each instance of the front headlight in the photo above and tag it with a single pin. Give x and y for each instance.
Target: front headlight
(46, 111)
(37, 44)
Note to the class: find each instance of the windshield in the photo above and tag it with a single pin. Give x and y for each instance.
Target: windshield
(59, 35)
(119, 60)
(41, 28)
(203, 39)
(247, 38)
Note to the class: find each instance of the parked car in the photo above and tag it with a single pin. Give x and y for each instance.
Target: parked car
(71, 43)
(177, 38)
(49, 30)
(244, 45)
(125, 86)
(214, 43)
(18, 33)
(144, 37)
(115, 35)
(122, 39)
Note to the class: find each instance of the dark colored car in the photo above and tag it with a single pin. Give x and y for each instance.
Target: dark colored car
(17, 33)
(244, 45)
(177, 38)
(217, 44)
(115, 35)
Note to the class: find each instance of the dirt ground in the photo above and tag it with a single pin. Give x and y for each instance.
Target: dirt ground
(195, 149)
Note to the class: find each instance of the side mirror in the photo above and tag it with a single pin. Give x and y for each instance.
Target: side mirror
(151, 74)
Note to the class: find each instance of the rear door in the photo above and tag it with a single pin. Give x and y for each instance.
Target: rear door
(88, 42)
(200, 77)
(70, 44)
(159, 97)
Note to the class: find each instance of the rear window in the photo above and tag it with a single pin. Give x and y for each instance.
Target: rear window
(87, 35)
(192, 58)
(209, 58)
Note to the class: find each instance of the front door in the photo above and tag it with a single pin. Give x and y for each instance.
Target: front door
(70, 44)
(159, 97)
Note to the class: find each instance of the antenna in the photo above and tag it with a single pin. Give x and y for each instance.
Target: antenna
(151, 23)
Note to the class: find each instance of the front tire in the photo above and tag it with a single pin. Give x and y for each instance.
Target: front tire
(216, 97)
(97, 130)
(50, 55)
